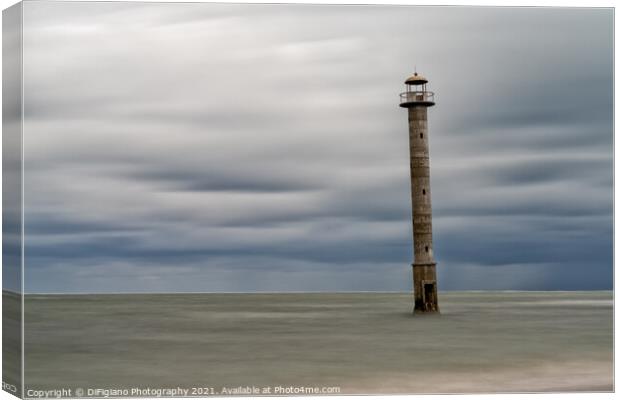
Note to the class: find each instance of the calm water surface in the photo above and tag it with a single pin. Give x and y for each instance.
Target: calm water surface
(360, 342)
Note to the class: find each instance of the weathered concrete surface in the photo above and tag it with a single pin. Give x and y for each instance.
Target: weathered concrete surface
(424, 272)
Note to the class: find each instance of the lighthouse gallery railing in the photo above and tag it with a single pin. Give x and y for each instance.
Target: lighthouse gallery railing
(412, 97)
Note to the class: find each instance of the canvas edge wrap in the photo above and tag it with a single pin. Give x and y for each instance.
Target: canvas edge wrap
(12, 200)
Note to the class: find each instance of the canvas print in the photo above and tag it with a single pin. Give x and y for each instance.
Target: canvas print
(219, 199)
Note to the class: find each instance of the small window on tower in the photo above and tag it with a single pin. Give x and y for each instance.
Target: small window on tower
(421, 135)
(426, 248)
(424, 191)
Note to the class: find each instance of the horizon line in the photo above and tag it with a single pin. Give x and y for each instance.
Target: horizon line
(299, 292)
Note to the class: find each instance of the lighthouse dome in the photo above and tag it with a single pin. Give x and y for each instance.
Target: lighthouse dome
(416, 79)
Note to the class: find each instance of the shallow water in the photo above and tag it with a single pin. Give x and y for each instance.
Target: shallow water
(358, 342)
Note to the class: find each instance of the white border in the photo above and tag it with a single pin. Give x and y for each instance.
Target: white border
(510, 3)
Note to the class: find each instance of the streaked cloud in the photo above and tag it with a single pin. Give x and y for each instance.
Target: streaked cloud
(222, 147)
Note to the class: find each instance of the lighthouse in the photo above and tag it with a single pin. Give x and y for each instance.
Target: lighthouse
(417, 99)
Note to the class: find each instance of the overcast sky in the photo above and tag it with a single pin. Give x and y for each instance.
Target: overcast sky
(220, 147)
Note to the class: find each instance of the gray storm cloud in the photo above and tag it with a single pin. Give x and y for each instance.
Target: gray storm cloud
(221, 147)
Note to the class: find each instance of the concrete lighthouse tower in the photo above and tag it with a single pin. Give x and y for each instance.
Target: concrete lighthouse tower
(417, 100)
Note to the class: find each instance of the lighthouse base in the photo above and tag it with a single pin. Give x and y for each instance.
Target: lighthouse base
(425, 288)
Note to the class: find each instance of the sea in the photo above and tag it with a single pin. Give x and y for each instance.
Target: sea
(227, 344)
